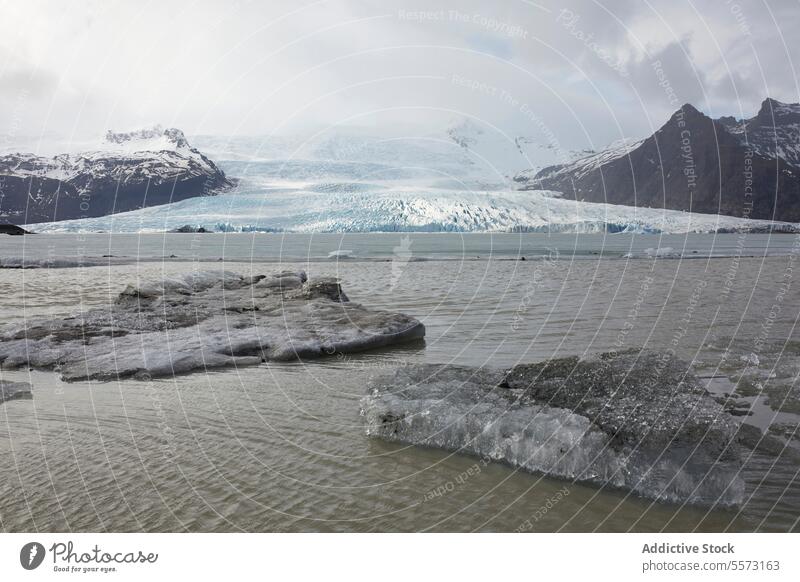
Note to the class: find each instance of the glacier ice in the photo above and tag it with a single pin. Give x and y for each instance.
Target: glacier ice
(401, 207)
(462, 409)
(639, 421)
(456, 181)
(204, 320)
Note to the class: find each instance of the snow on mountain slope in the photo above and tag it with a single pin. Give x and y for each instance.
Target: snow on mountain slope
(148, 146)
(338, 145)
(583, 165)
(352, 181)
(505, 155)
(340, 208)
(350, 155)
(748, 168)
(124, 172)
(774, 132)
(464, 150)
(154, 140)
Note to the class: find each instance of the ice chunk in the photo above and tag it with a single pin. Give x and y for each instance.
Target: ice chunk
(662, 253)
(15, 391)
(462, 409)
(639, 421)
(55, 262)
(205, 320)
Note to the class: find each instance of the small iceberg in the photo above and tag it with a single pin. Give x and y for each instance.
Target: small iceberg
(662, 253)
(655, 253)
(639, 421)
(15, 391)
(55, 262)
(204, 320)
(341, 254)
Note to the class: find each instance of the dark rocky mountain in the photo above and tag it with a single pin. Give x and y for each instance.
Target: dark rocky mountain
(129, 171)
(12, 230)
(745, 168)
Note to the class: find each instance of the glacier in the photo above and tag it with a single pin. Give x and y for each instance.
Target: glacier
(637, 420)
(459, 181)
(357, 207)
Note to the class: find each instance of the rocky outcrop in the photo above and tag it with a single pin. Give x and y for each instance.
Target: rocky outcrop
(129, 171)
(745, 168)
(12, 229)
(201, 321)
(189, 229)
(639, 421)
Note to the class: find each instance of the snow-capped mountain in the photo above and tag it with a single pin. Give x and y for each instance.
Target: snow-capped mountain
(351, 155)
(500, 153)
(773, 133)
(127, 171)
(504, 155)
(348, 180)
(583, 165)
(748, 168)
(465, 153)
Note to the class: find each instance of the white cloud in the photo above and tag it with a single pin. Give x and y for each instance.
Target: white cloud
(252, 67)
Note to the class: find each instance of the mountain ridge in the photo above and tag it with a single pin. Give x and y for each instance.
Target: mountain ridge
(745, 168)
(128, 171)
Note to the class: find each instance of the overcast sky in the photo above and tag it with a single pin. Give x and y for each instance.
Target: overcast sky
(583, 72)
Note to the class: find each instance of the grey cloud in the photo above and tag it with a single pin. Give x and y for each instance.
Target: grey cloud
(27, 83)
(250, 66)
(668, 78)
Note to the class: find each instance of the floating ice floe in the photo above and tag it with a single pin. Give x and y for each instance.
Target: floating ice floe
(204, 320)
(57, 262)
(655, 253)
(662, 252)
(15, 391)
(639, 421)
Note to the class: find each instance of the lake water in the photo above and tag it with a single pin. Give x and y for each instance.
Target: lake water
(282, 447)
(269, 247)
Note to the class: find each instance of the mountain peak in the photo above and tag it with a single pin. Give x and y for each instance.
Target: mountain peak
(768, 106)
(687, 113)
(769, 101)
(694, 162)
(772, 108)
(149, 138)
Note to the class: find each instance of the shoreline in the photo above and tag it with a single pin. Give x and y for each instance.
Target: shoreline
(17, 263)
